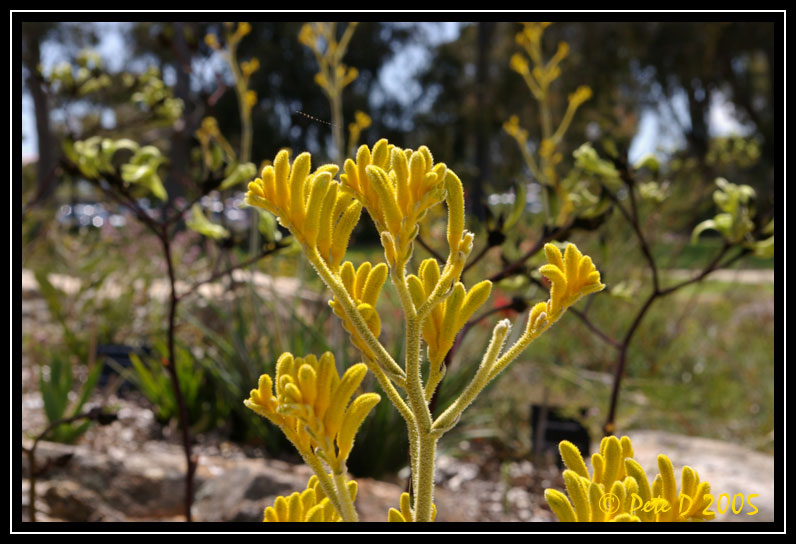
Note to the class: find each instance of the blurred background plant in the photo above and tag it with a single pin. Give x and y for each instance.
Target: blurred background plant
(55, 385)
(669, 108)
(334, 76)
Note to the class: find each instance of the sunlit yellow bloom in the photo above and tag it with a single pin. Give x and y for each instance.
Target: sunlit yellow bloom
(311, 405)
(307, 34)
(618, 489)
(547, 148)
(346, 74)
(531, 33)
(243, 29)
(361, 122)
(311, 206)
(572, 277)
(406, 514)
(561, 53)
(398, 187)
(448, 317)
(364, 286)
(311, 505)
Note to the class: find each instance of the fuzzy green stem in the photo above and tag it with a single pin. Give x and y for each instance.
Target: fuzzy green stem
(245, 135)
(422, 445)
(424, 492)
(479, 381)
(390, 390)
(325, 482)
(435, 376)
(348, 513)
(414, 385)
(514, 351)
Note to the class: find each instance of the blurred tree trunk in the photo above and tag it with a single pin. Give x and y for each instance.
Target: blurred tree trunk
(180, 142)
(483, 116)
(699, 101)
(32, 35)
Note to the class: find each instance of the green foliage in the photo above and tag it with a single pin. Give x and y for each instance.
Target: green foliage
(95, 157)
(143, 170)
(152, 378)
(78, 312)
(53, 297)
(84, 78)
(234, 343)
(201, 224)
(237, 174)
(735, 223)
(55, 391)
(587, 159)
(381, 447)
(155, 96)
(518, 207)
(733, 151)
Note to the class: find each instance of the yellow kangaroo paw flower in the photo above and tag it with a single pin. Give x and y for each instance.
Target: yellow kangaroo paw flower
(348, 384)
(455, 201)
(372, 288)
(578, 494)
(342, 232)
(572, 458)
(560, 505)
(320, 186)
(361, 278)
(472, 301)
(669, 489)
(353, 418)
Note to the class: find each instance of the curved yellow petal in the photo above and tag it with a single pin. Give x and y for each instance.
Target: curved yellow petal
(560, 505)
(340, 397)
(353, 418)
(374, 283)
(572, 458)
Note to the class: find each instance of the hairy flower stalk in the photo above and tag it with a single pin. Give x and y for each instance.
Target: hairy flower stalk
(397, 187)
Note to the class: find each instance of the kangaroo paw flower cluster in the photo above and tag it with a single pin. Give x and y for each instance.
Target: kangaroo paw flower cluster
(618, 489)
(397, 187)
(572, 277)
(314, 208)
(310, 403)
(313, 408)
(311, 505)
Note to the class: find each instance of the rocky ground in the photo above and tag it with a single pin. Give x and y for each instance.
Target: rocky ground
(132, 470)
